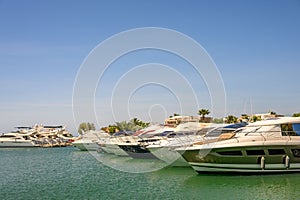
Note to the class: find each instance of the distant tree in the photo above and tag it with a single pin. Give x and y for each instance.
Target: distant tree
(245, 116)
(255, 118)
(133, 125)
(139, 123)
(125, 126)
(84, 127)
(296, 115)
(91, 126)
(203, 112)
(218, 120)
(113, 129)
(231, 119)
(135, 121)
(272, 113)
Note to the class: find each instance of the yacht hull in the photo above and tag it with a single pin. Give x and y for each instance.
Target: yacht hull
(16, 144)
(113, 149)
(137, 151)
(253, 169)
(252, 159)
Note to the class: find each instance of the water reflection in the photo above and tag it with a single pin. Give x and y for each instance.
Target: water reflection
(185, 183)
(245, 187)
(128, 164)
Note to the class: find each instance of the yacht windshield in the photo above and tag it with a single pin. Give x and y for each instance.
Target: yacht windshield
(247, 130)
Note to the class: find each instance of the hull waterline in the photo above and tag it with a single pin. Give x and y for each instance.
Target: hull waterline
(251, 159)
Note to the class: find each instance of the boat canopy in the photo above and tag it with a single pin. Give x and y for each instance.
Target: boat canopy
(278, 120)
(237, 125)
(23, 127)
(123, 133)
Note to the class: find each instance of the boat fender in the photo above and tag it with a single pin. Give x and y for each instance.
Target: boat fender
(287, 162)
(262, 162)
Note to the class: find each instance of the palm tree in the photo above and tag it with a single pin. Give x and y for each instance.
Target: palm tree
(255, 118)
(139, 123)
(135, 121)
(296, 115)
(272, 112)
(231, 119)
(84, 127)
(203, 112)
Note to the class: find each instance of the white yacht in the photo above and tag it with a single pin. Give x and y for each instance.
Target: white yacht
(51, 136)
(123, 143)
(165, 149)
(36, 136)
(270, 146)
(136, 147)
(19, 138)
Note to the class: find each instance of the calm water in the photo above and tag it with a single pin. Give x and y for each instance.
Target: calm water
(66, 173)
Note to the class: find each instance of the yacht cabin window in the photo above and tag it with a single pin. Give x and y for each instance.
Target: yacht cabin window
(290, 129)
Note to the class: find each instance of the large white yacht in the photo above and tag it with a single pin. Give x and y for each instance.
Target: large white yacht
(36, 136)
(270, 146)
(19, 138)
(51, 136)
(165, 149)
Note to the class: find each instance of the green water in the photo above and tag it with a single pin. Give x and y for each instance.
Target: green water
(66, 173)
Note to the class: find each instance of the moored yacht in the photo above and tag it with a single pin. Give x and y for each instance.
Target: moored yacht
(136, 146)
(165, 149)
(19, 138)
(270, 146)
(36, 136)
(139, 148)
(51, 136)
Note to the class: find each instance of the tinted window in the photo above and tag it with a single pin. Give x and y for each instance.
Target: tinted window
(230, 153)
(276, 152)
(255, 152)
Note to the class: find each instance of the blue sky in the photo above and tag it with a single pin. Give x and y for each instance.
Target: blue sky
(255, 45)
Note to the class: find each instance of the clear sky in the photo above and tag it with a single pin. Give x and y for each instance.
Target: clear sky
(254, 44)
